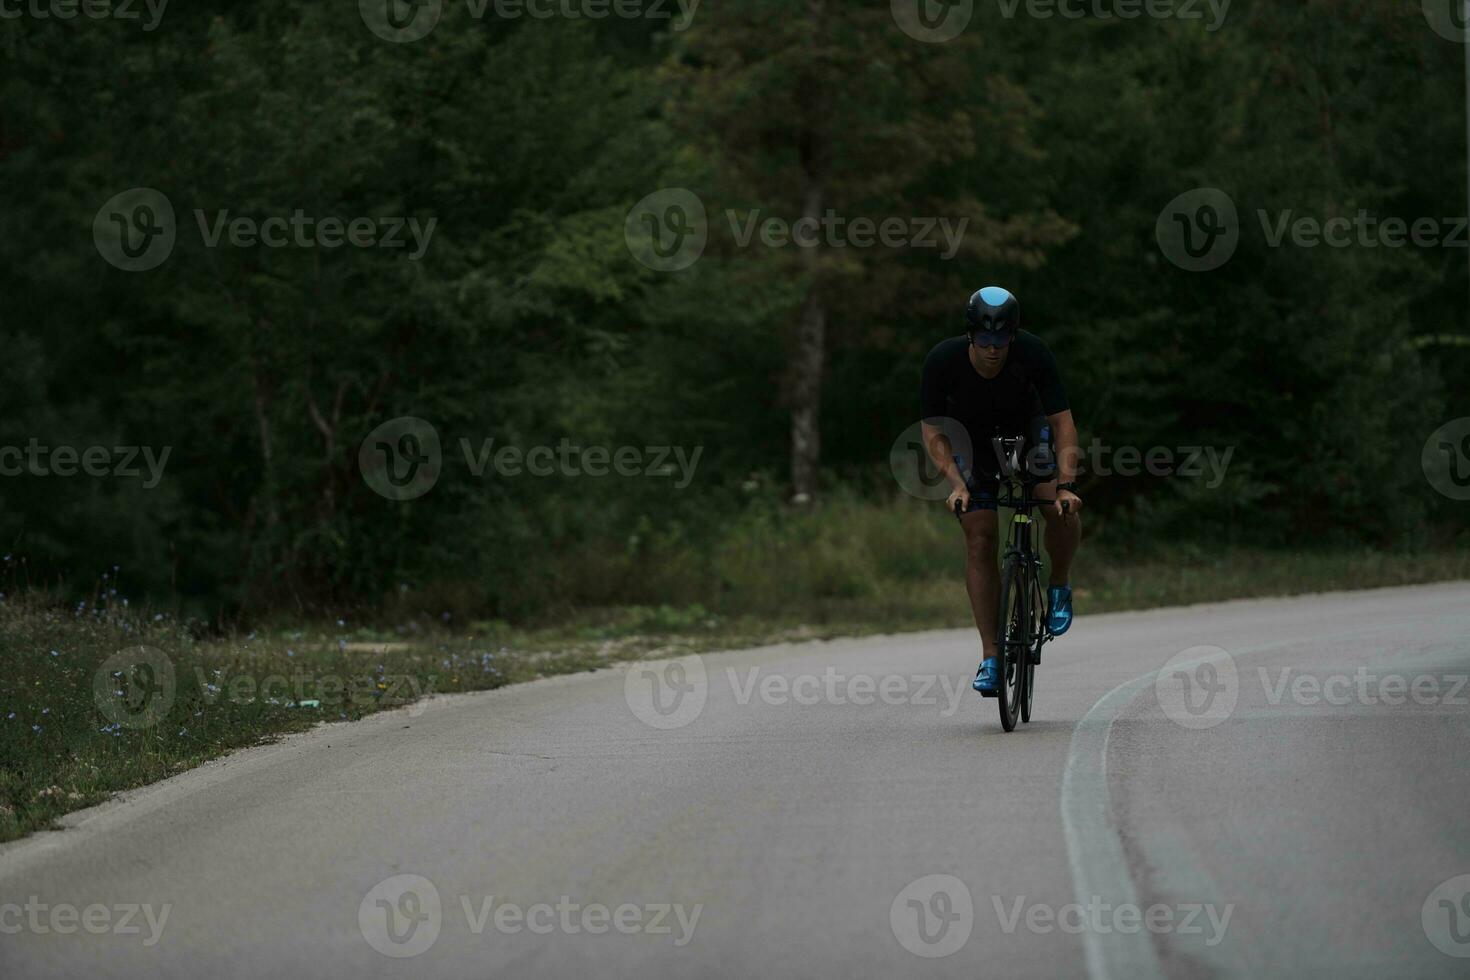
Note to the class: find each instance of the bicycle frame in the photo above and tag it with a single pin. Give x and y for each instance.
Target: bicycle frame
(1021, 570)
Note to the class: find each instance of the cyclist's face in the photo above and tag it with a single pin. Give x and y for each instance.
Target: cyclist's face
(990, 347)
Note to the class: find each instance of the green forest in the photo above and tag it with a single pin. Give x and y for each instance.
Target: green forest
(242, 243)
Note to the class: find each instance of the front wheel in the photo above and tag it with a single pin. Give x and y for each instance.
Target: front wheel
(1013, 632)
(1030, 679)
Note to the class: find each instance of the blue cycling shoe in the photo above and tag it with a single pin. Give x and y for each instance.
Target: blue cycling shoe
(1059, 609)
(987, 681)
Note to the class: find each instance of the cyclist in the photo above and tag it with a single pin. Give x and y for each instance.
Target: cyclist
(1000, 380)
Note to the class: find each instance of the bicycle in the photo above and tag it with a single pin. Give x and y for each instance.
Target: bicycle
(1022, 629)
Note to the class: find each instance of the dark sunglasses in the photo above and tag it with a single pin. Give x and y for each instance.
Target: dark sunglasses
(997, 339)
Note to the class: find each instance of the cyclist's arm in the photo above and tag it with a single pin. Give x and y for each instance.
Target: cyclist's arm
(937, 445)
(1064, 430)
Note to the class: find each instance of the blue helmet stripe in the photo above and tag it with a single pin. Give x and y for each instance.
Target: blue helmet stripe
(994, 295)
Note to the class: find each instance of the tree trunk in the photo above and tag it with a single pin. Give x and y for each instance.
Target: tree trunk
(807, 363)
(808, 359)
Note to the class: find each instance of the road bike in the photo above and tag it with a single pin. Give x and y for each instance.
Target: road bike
(1022, 629)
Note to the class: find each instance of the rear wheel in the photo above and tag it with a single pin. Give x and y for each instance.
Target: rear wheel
(1033, 647)
(1013, 634)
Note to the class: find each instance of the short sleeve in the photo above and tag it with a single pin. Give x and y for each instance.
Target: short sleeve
(1048, 380)
(931, 387)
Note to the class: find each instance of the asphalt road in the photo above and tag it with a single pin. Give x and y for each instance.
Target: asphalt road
(1295, 802)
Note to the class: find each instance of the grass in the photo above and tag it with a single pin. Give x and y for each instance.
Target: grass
(72, 677)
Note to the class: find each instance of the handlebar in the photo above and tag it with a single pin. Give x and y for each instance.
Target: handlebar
(1028, 502)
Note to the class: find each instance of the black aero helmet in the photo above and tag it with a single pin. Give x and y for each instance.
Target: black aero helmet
(993, 316)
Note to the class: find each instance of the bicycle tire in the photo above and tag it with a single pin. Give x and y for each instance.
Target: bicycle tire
(1012, 634)
(1033, 652)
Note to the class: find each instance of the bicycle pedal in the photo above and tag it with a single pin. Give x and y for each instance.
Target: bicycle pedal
(989, 694)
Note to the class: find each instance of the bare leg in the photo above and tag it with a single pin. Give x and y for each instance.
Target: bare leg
(982, 576)
(1063, 536)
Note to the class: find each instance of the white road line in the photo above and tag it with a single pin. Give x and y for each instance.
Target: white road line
(1094, 849)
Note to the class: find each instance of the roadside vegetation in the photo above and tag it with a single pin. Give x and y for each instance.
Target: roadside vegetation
(73, 730)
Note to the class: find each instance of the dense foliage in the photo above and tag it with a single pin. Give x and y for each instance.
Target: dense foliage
(528, 319)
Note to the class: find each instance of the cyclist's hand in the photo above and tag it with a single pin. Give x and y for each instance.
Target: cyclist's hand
(962, 497)
(1074, 503)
